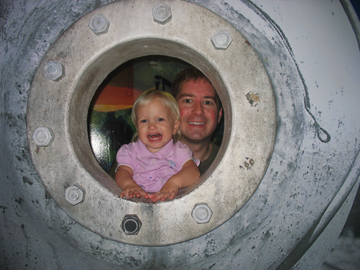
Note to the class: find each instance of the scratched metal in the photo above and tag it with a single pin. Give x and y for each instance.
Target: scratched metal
(244, 151)
(313, 65)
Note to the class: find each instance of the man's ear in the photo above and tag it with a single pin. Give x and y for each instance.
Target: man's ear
(176, 126)
(220, 115)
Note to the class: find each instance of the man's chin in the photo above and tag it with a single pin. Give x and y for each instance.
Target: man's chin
(195, 138)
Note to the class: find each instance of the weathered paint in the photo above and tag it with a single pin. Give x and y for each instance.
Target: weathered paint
(249, 131)
(313, 169)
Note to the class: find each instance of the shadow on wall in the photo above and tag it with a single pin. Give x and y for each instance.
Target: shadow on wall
(353, 222)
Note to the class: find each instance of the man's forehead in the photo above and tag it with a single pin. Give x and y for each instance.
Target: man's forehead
(199, 81)
(190, 94)
(193, 89)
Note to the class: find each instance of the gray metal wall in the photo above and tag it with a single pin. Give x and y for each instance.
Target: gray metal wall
(310, 53)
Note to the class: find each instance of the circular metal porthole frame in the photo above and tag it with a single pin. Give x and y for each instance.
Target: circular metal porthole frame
(61, 106)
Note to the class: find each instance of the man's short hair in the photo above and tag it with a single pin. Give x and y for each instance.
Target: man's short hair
(191, 74)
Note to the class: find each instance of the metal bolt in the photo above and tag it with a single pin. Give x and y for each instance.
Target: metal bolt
(252, 162)
(53, 70)
(221, 39)
(162, 13)
(131, 224)
(74, 195)
(99, 24)
(43, 136)
(202, 213)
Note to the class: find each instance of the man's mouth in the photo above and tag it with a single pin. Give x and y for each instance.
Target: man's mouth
(153, 137)
(196, 123)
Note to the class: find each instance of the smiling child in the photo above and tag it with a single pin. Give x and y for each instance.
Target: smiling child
(156, 164)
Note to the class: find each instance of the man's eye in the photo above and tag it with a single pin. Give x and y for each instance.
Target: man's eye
(208, 102)
(187, 100)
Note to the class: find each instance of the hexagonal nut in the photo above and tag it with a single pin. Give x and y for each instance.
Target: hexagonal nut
(99, 24)
(53, 70)
(74, 195)
(43, 136)
(131, 225)
(202, 213)
(162, 13)
(221, 39)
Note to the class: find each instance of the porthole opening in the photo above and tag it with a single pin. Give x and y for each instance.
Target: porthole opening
(109, 116)
(69, 163)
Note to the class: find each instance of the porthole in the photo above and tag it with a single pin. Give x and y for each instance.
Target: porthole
(59, 105)
(109, 118)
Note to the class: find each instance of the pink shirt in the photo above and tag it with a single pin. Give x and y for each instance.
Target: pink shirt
(152, 170)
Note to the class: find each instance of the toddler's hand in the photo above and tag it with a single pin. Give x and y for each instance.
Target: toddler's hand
(168, 191)
(134, 191)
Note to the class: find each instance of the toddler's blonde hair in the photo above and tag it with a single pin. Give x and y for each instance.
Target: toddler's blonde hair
(167, 100)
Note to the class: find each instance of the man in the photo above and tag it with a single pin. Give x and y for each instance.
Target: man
(200, 113)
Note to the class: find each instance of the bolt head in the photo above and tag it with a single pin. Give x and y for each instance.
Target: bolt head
(162, 13)
(43, 136)
(221, 39)
(99, 24)
(53, 70)
(252, 162)
(202, 213)
(131, 225)
(74, 195)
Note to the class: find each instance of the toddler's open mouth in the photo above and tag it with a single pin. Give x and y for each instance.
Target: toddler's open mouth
(153, 137)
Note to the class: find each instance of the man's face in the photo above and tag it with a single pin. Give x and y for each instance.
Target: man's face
(199, 113)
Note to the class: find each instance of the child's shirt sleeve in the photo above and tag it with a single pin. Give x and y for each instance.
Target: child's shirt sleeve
(183, 154)
(126, 156)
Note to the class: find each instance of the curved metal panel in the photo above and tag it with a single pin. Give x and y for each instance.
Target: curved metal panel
(311, 169)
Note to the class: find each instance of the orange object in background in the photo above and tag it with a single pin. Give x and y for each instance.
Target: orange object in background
(114, 98)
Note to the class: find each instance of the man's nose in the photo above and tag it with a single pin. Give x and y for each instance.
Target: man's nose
(198, 108)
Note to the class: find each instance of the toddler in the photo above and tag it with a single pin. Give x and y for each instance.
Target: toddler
(156, 164)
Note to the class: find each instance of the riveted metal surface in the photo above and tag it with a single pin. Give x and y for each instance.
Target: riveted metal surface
(74, 195)
(202, 213)
(221, 39)
(161, 13)
(53, 70)
(131, 224)
(88, 64)
(43, 136)
(99, 24)
(311, 55)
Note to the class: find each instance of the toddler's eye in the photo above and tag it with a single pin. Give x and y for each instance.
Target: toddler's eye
(143, 121)
(161, 119)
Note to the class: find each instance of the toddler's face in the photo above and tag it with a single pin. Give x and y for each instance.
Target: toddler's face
(155, 125)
